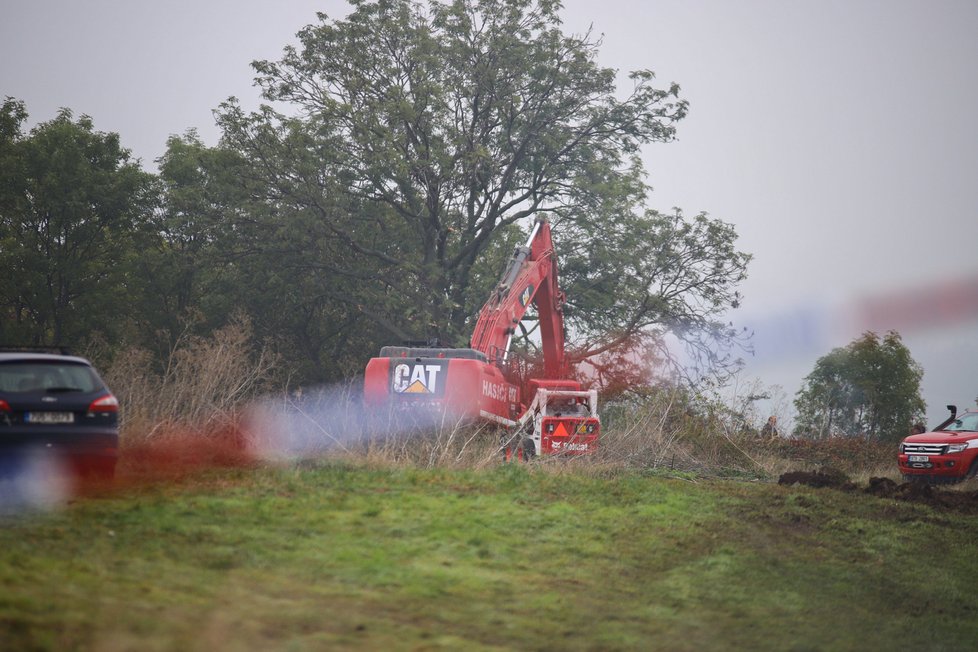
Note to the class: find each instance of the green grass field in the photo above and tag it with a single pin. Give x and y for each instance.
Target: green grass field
(338, 556)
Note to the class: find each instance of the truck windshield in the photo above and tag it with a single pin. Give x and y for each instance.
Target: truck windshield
(967, 422)
(568, 408)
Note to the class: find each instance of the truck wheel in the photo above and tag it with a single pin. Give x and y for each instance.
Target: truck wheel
(529, 450)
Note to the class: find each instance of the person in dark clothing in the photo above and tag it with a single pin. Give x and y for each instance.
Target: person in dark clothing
(770, 429)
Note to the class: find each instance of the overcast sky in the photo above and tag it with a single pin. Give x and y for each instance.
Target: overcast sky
(839, 137)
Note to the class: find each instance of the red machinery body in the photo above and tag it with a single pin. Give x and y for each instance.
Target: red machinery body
(558, 422)
(459, 383)
(480, 382)
(948, 454)
(530, 277)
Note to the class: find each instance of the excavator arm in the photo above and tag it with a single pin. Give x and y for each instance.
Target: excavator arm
(475, 383)
(530, 277)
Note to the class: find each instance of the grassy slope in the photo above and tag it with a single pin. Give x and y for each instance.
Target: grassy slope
(344, 557)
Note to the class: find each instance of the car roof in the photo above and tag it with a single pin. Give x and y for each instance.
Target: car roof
(41, 357)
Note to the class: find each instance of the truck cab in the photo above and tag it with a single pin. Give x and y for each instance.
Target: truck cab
(947, 454)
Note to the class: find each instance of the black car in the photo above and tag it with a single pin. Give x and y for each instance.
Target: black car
(57, 403)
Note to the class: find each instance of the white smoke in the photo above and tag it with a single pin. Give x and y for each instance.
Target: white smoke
(33, 479)
(333, 419)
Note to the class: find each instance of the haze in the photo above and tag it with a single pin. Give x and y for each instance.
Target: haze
(839, 138)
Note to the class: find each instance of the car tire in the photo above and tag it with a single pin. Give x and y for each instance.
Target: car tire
(529, 449)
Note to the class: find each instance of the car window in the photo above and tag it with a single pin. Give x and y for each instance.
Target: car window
(967, 421)
(567, 407)
(42, 376)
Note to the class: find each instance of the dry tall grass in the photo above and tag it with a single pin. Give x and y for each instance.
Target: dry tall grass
(333, 421)
(203, 387)
(661, 431)
(215, 386)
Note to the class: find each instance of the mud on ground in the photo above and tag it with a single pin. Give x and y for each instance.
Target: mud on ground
(959, 501)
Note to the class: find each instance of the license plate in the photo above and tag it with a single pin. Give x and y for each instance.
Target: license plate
(49, 417)
(917, 458)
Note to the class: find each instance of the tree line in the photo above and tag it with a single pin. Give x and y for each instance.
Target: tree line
(400, 154)
(869, 388)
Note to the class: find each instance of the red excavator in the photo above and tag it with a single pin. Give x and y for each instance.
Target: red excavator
(548, 414)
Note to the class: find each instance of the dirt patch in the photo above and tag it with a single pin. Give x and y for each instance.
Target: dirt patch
(819, 479)
(961, 501)
(916, 492)
(884, 487)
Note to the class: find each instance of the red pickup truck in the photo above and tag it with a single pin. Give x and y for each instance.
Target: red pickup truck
(947, 454)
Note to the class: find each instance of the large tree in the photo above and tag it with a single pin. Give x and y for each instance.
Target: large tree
(73, 205)
(870, 388)
(407, 147)
(189, 280)
(226, 249)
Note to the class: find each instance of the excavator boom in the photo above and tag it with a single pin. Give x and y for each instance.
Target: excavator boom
(476, 382)
(530, 277)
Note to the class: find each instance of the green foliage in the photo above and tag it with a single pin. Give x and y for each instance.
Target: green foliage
(414, 143)
(345, 557)
(227, 250)
(185, 273)
(404, 152)
(633, 278)
(74, 210)
(870, 388)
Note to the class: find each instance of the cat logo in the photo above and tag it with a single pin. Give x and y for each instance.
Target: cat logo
(526, 295)
(417, 378)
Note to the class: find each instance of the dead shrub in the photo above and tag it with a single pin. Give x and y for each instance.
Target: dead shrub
(662, 429)
(211, 387)
(333, 421)
(204, 384)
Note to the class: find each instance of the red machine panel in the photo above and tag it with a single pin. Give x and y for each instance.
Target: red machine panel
(457, 382)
